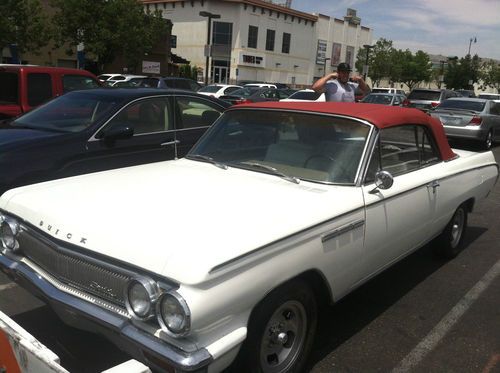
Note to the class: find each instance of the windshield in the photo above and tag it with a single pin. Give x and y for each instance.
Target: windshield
(311, 147)
(305, 95)
(210, 88)
(244, 92)
(424, 95)
(462, 104)
(72, 112)
(378, 99)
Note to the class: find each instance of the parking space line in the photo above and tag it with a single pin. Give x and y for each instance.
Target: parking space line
(439, 331)
(7, 286)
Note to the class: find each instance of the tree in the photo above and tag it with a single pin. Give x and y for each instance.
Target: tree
(461, 74)
(490, 75)
(412, 69)
(379, 60)
(108, 28)
(22, 22)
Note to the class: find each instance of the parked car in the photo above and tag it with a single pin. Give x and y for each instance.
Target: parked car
(426, 99)
(106, 77)
(24, 87)
(393, 99)
(217, 90)
(94, 130)
(135, 80)
(470, 118)
(305, 95)
(296, 205)
(170, 82)
(490, 96)
(261, 85)
(388, 90)
(255, 94)
(466, 92)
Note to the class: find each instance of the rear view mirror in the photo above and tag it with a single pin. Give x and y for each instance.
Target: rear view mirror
(383, 180)
(118, 131)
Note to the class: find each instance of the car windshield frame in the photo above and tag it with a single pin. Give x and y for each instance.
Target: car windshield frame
(70, 113)
(315, 147)
(305, 95)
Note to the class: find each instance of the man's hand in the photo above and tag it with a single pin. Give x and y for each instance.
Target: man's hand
(333, 76)
(356, 78)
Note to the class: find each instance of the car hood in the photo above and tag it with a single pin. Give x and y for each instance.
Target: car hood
(177, 218)
(13, 138)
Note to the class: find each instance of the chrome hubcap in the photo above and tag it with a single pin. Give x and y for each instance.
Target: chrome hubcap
(457, 227)
(283, 338)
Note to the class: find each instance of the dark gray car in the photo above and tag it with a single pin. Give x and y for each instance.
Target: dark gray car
(470, 118)
(393, 99)
(426, 99)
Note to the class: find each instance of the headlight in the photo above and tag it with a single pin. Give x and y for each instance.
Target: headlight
(140, 298)
(173, 314)
(9, 229)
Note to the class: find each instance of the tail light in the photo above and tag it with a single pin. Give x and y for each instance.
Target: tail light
(406, 102)
(434, 103)
(476, 121)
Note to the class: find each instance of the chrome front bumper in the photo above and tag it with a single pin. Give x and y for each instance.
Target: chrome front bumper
(76, 312)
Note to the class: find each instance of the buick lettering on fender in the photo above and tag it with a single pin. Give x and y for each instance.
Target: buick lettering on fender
(225, 257)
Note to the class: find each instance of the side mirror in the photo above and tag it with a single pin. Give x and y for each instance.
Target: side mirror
(383, 180)
(117, 131)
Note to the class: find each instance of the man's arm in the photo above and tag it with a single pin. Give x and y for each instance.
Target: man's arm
(361, 83)
(319, 85)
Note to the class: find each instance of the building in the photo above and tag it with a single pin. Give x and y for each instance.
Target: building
(256, 40)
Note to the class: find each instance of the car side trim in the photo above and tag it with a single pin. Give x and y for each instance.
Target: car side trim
(343, 229)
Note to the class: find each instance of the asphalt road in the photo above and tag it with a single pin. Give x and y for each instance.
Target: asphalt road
(422, 315)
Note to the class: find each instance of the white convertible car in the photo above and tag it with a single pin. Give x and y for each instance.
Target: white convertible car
(225, 257)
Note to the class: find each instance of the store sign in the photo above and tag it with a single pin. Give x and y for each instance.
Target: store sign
(252, 59)
(150, 67)
(321, 52)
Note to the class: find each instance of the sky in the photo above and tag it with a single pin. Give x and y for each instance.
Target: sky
(434, 26)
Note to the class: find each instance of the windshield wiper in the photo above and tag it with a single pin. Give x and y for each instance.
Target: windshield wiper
(273, 170)
(207, 159)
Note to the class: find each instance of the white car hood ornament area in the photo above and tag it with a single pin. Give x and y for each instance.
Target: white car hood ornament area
(163, 215)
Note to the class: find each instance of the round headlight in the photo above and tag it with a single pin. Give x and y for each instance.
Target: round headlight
(140, 298)
(8, 231)
(173, 314)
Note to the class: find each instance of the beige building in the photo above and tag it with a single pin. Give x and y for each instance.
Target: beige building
(256, 40)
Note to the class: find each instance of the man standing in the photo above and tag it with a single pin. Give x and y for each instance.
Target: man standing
(337, 86)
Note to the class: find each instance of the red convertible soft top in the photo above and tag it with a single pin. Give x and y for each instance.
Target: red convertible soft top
(381, 116)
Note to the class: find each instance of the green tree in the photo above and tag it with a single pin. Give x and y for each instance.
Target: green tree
(379, 60)
(462, 73)
(24, 23)
(412, 68)
(490, 75)
(108, 28)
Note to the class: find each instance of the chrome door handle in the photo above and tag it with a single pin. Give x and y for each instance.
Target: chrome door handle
(174, 142)
(433, 184)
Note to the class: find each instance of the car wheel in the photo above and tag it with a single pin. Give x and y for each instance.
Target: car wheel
(280, 331)
(449, 243)
(488, 141)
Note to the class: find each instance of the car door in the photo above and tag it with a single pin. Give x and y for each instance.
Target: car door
(151, 137)
(193, 116)
(399, 219)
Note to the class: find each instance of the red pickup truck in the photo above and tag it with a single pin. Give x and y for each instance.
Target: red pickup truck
(23, 87)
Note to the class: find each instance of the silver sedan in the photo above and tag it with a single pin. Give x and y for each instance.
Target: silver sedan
(470, 118)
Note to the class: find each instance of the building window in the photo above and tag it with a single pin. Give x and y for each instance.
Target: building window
(223, 33)
(285, 47)
(253, 32)
(270, 40)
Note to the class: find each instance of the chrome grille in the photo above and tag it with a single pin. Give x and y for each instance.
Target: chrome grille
(74, 270)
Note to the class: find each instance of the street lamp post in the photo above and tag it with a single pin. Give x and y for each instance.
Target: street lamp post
(365, 68)
(471, 40)
(441, 76)
(210, 16)
(324, 64)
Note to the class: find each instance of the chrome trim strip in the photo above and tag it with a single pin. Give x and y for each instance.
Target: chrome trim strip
(425, 184)
(343, 229)
(115, 327)
(261, 248)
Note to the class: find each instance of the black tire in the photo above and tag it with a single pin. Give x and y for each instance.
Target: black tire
(280, 331)
(488, 140)
(449, 243)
